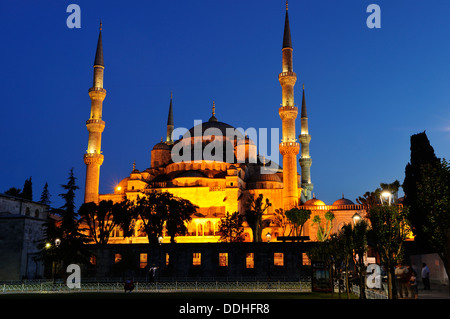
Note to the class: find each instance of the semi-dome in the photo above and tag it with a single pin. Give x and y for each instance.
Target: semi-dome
(161, 146)
(314, 202)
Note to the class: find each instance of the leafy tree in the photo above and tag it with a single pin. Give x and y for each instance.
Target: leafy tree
(25, 193)
(253, 214)
(388, 225)
(103, 218)
(359, 245)
(345, 238)
(45, 196)
(13, 191)
(298, 218)
(323, 231)
(157, 209)
(231, 228)
(434, 188)
(180, 212)
(281, 220)
(370, 199)
(152, 210)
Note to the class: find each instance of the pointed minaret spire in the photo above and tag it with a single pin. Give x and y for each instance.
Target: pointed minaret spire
(170, 125)
(170, 118)
(213, 117)
(303, 115)
(99, 52)
(287, 43)
(305, 158)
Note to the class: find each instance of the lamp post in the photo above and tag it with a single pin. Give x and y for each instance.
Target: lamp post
(160, 241)
(49, 246)
(268, 237)
(387, 196)
(356, 218)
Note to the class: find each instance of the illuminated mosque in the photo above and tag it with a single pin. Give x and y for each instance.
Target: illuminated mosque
(224, 182)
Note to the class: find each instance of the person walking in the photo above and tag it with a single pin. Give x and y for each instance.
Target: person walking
(413, 286)
(425, 276)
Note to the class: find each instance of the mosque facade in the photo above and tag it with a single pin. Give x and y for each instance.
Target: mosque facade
(229, 170)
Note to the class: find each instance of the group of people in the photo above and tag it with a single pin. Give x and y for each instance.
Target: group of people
(406, 280)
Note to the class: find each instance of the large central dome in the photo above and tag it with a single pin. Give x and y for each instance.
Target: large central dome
(216, 128)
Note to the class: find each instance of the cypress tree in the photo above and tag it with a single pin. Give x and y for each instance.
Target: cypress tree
(421, 153)
(27, 192)
(45, 196)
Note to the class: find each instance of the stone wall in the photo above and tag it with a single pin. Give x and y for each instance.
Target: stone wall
(204, 261)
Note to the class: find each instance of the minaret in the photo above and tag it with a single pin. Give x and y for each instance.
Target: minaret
(305, 159)
(170, 126)
(289, 147)
(95, 126)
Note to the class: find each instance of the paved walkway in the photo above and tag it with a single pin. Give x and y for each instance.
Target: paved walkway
(436, 292)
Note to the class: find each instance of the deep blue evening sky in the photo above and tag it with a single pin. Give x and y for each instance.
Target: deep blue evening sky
(368, 90)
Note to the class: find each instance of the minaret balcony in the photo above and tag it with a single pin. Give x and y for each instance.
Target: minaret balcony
(95, 125)
(96, 93)
(93, 158)
(288, 111)
(304, 138)
(96, 89)
(96, 121)
(287, 74)
(289, 77)
(289, 148)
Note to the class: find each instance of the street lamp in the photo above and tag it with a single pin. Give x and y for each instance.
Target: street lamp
(48, 245)
(356, 218)
(387, 196)
(268, 237)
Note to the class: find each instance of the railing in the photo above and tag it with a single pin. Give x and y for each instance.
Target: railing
(163, 286)
(287, 74)
(333, 207)
(370, 294)
(97, 89)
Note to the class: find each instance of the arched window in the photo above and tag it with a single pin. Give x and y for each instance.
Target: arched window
(209, 231)
(27, 211)
(192, 229)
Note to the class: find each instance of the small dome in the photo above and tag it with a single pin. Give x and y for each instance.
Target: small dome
(314, 202)
(343, 201)
(161, 146)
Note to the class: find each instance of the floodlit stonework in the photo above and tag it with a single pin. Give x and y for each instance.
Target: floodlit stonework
(233, 172)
